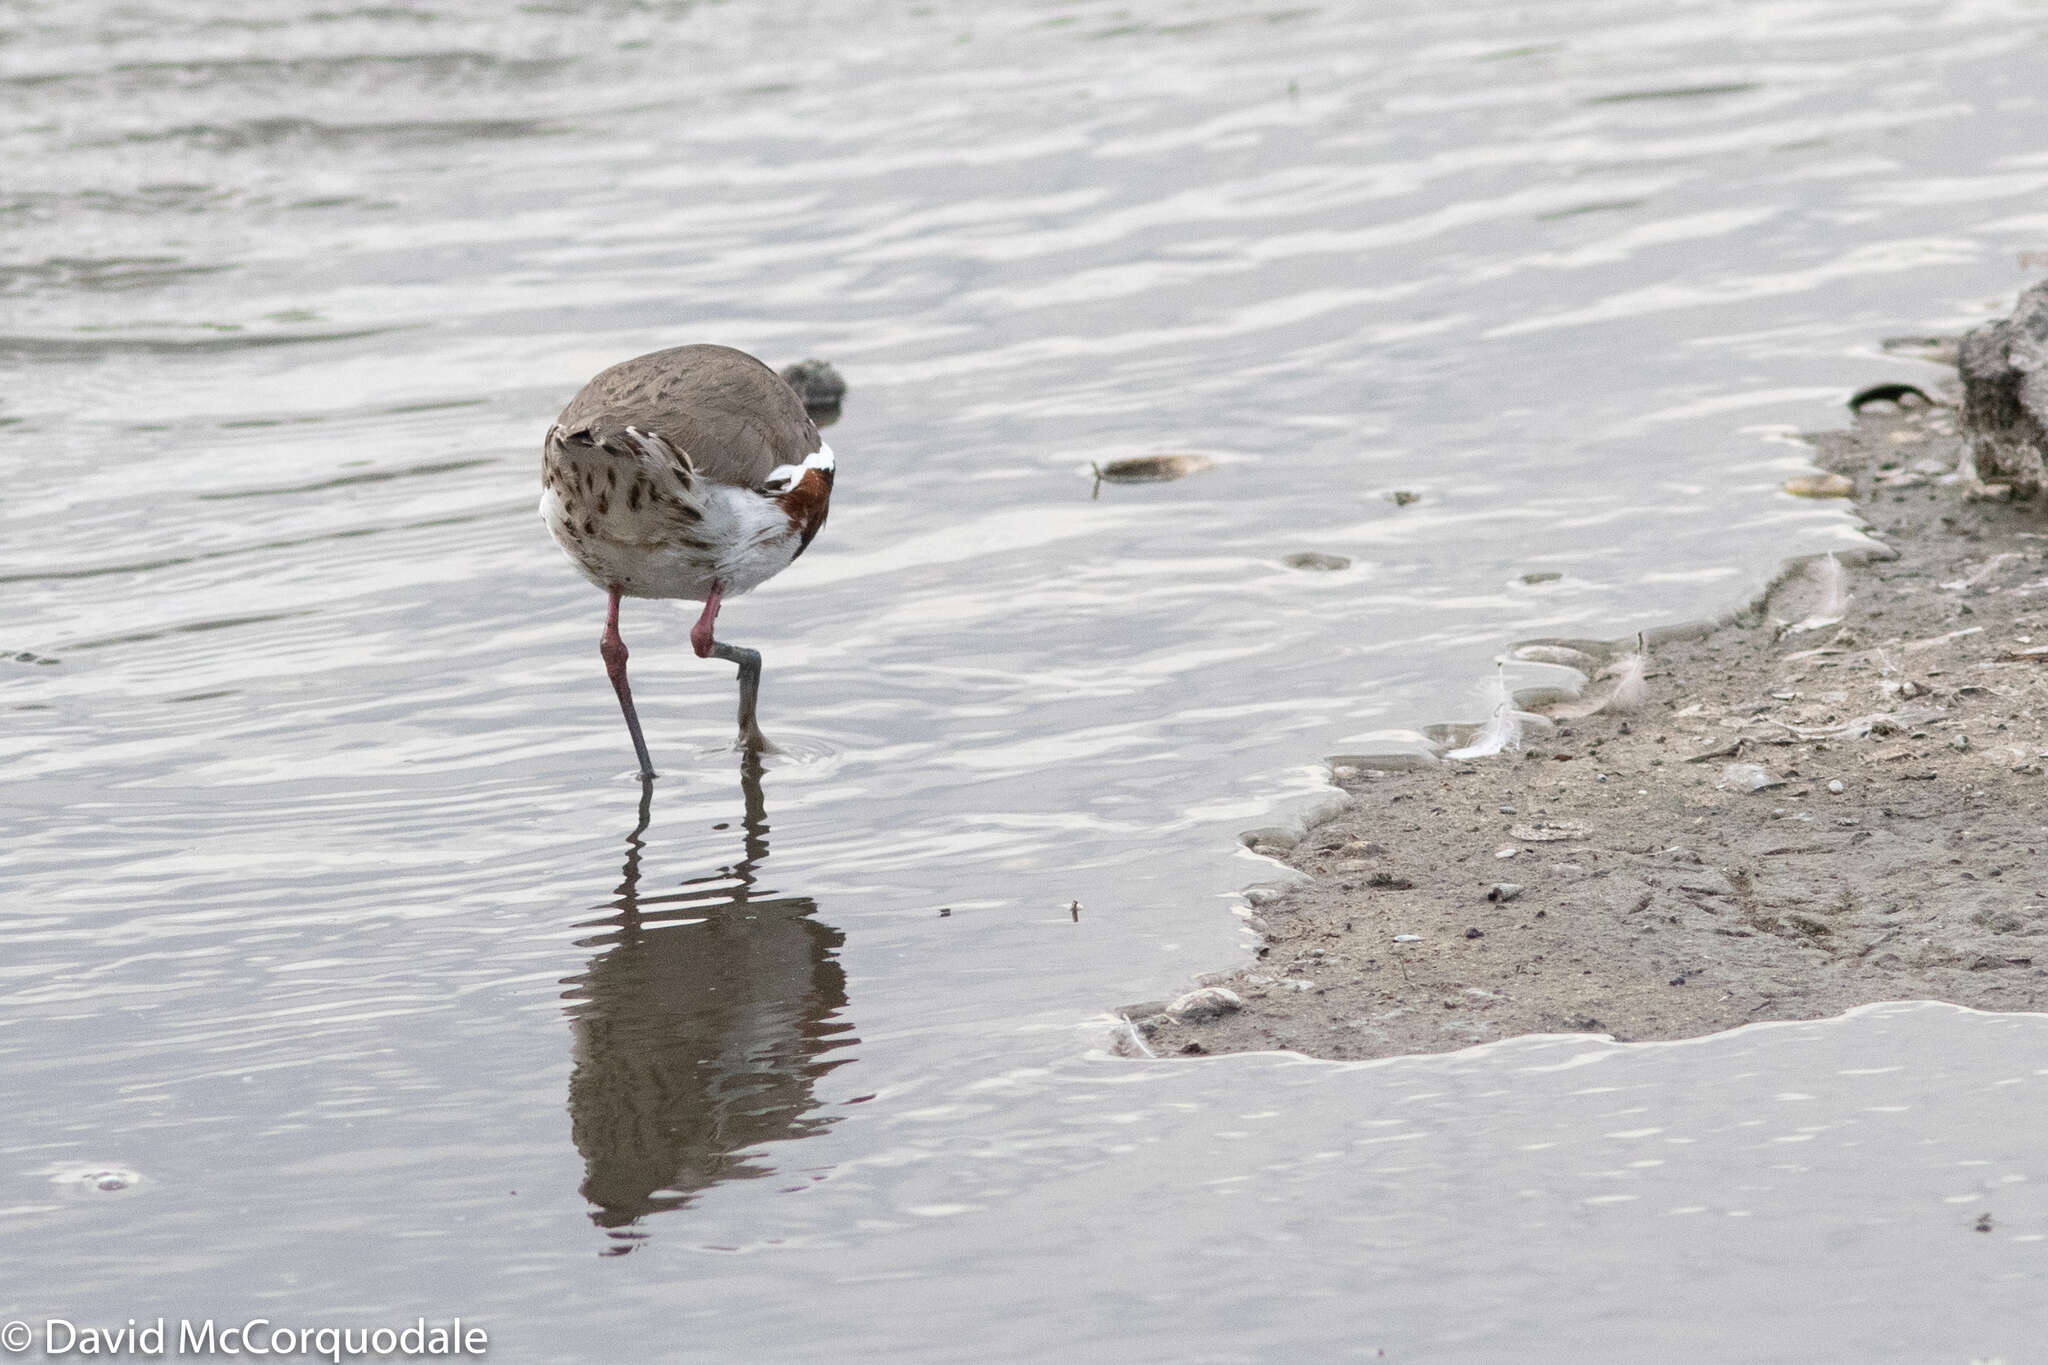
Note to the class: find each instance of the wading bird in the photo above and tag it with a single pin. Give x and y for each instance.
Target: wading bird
(694, 473)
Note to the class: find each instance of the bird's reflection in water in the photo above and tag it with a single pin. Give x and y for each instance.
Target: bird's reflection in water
(700, 1026)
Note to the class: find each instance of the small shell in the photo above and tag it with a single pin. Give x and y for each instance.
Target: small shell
(1820, 486)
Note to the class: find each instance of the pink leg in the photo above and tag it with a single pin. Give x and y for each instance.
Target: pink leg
(750, 670)
(700, 634)
(613, 648)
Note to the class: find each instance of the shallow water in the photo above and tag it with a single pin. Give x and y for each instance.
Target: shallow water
(332, 916)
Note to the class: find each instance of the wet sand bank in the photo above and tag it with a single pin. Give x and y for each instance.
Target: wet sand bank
(1802, 815)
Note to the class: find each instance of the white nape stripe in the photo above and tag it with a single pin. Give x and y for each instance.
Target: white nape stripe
(784, 476)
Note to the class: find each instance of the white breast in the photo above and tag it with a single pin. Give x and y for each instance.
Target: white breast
(754, 538)
(749, 541)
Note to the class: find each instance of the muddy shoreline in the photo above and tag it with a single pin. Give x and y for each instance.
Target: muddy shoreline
(1815, 805)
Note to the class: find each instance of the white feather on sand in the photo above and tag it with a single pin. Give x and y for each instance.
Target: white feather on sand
(1630, 691)
(1503, 728)
(1833, 584)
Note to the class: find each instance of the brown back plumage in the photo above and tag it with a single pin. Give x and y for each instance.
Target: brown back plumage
(735, 417)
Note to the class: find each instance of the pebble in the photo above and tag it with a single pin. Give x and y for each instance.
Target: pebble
(1206, 1003)
(1747, 777)
(1837, 787)
(1503, 892)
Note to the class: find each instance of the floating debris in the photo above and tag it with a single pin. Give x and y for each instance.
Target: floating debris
(1151, 468)
(1401, 497)
(1542, 576)
(101, 1179)
(1821, 486)
(1316, 561)
(821, 388)
(1940, 350)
